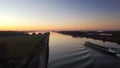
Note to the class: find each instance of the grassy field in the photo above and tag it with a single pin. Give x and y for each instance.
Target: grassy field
(18, 46)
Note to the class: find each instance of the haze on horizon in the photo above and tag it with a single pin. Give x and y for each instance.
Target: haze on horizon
(59, 14)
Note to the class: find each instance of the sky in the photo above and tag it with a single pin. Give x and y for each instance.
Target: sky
(59, 15)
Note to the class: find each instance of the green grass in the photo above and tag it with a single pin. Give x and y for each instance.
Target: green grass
(19, 45)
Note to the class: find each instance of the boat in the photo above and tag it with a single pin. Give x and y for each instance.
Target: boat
(111, 50)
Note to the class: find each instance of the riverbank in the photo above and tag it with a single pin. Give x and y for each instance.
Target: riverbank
(21, 51)
(112, 36)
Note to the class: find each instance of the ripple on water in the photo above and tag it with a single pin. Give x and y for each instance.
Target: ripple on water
(79, 58)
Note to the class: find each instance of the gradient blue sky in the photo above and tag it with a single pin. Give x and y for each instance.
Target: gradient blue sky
(59, 14)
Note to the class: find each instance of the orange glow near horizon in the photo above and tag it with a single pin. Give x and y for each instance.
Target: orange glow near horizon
(64, 25)
(85, 24)
(74, 27)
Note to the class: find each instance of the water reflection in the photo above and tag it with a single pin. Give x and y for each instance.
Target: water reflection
(69, 52)
(102, 42)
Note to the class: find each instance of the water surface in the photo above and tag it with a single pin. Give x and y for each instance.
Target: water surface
(69, 52)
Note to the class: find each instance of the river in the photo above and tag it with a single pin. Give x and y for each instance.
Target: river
(69, 52)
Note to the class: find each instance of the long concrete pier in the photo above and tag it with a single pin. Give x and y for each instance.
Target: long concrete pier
(39, 57)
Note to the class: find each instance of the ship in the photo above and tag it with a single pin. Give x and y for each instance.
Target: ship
(110, 50)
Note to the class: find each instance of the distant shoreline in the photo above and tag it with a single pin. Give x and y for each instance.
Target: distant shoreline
(112, 36)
